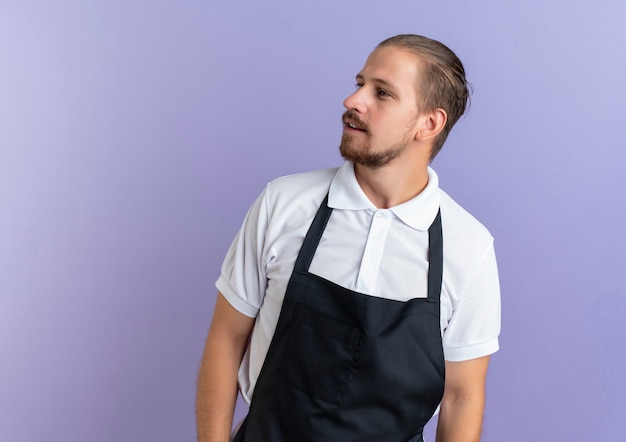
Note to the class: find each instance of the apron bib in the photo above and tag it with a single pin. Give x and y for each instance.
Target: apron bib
(346, 367)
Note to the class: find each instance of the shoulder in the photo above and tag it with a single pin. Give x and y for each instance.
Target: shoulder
(300, 192)
(462, 232)
(296, 183)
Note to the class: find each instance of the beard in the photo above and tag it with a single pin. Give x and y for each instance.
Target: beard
(363, 154)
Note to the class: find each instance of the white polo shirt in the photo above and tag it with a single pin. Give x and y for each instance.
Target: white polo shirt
(378, 252)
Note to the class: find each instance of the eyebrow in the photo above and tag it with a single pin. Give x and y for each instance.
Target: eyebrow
(385, 83)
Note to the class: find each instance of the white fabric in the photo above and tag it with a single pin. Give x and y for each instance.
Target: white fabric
(379, 252)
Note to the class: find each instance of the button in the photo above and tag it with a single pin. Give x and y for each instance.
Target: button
(370, 266)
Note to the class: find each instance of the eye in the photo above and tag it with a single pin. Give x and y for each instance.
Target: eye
(383, 93)
(358, 85)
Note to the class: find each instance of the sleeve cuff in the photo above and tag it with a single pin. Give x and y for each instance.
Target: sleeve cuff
(460, 354)
(237, 302)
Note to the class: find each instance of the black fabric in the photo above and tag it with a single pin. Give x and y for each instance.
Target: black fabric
(344, 366)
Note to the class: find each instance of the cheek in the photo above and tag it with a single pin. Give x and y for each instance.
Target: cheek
(399, 125)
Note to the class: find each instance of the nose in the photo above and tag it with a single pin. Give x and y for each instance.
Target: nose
(355, 101)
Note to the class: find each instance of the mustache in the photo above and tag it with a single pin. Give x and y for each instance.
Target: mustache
(350, 116)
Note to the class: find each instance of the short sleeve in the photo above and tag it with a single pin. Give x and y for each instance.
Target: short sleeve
(242, 279)
(474, 326)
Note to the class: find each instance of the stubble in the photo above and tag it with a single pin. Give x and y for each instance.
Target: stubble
(362, 154)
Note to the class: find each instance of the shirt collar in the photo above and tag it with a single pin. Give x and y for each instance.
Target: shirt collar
(418, 213)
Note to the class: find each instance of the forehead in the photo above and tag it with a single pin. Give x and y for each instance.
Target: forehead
(396, 66)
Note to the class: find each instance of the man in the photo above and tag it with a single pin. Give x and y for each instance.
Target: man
(355, 300)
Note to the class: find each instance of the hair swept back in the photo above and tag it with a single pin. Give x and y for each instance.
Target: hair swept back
(442, 84)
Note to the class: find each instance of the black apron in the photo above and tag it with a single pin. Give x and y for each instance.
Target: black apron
(344, 366)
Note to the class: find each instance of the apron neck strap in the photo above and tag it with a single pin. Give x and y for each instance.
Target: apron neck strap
(435, 258)
(313, 236)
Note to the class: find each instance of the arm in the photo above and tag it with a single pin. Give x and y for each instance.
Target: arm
(461, 415)
(217, 382)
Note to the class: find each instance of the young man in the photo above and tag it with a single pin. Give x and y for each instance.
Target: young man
(355, 300)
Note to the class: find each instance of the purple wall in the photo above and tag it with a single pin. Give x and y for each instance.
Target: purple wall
(134, 136)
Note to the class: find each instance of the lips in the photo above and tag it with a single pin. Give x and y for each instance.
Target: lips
(352, 122)
(354, 125)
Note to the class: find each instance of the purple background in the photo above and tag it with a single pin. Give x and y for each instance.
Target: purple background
(134, 136)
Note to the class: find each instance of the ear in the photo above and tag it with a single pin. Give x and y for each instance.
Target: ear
(431, 123)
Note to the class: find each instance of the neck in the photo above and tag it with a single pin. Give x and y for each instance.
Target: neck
(394, 183)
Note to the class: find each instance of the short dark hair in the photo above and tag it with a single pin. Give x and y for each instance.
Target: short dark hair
(443, 84)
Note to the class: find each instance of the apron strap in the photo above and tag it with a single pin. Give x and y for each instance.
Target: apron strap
(313, 236)
(435, 258)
